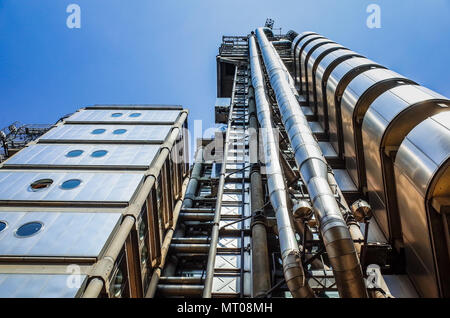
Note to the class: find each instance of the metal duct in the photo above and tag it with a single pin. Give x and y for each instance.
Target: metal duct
(290, 254)
(314, 171)
(291, 35)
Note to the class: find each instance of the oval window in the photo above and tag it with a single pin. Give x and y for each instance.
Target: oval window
(119, 131)
(99, 153)
(98, 131)
(70, 184)
(74, 153)
(116, 115)
(3, 225)
(29, 229)
(134, 115)
(41, 184)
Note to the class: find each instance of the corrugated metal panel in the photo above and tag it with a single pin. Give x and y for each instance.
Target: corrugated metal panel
(117, 156)
(83, 133)
(63, 234)
(39, 286)
(127, 116)
(95, 187)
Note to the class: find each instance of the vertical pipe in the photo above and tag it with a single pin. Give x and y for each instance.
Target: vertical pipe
(260, 255)
(215, 229)
(290, 254)
(314, 171)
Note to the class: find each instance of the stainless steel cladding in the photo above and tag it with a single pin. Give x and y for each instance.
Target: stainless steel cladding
(336, 84)
(304, 60)
(324, 69)
(298, 46)
(422, 174)
(356, 99)
(139, 134)
(290, 254)
(86, 206)
(82, 156)
(383, 130)
(314, 171)
(316, 57)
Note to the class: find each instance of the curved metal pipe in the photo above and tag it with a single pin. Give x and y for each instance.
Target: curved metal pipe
(314, 171)
(290, 254)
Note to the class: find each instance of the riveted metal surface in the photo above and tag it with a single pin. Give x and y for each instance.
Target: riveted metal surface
(63, 234)
(83, 133)
(56, 155)
(323, 71)
(94, 187)
(356, 99)
(125, 116)
(40, 285)
(336, 84)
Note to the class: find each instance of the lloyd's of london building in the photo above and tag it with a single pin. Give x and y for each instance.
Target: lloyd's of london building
(329, 179)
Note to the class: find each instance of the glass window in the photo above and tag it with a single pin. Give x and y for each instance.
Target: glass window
(98, 131)
(134, 115)
(99, 153)
(119, 131)
(70, 184)
(116, 115)
(29, 229)
(3, 225)
(41, 184)
(74, 153)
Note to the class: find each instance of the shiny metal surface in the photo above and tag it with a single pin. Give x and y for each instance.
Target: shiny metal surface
(295, 53)
(64, 234)
(298, 53)
(417, 163)
(290, 253)
(55, 156)
(124, 116)
(304, 60)
(314, 171)
(95, 187)
(40, 285)
(316, 57)
(383, 130)
(323, 71)
(336, 84)
(356, 99)
(83, 133)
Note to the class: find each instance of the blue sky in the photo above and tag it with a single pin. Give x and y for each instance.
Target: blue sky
(142, 51)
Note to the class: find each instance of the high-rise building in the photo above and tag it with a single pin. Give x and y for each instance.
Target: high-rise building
(328, 178)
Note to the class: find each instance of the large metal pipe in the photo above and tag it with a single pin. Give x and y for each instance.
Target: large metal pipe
(314, 171)
(261, 281)
(196, 173)
(290, 254)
